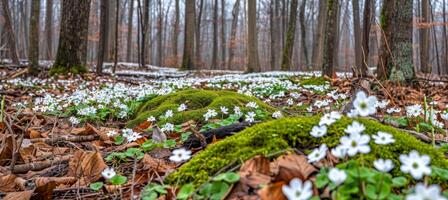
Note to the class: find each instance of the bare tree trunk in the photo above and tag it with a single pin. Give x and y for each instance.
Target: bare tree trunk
(10, 33)
(289, 45)
(198, 34)
(104, 28)
(176, 32)
(395, 61)
(73, 35)
(272, 33)
(357, 34)
(49, 29)
(330, 43)
(159, 35)
(117, 11)
(303, 29)
(187, 61)
(366, 36)
(445, 39)
(253, 64)
(215, 36)
(129, 36)
(424, 38)
(33, 53)
(223, 34)
(318, 39)
(436, 46)
(232, 41)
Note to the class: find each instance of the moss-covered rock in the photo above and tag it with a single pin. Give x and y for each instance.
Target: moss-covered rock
(197, 101)
(272, 136)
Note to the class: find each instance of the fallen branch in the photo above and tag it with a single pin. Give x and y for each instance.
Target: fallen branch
(54, 140)
(35, 166)
(218, 133)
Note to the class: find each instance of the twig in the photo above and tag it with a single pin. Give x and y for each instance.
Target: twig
(134, 170)
(54, 140)
(24, 168)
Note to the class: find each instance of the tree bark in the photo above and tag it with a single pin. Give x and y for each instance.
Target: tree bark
(10, 33)
(129, 36)
(33, 53)
(104, 28)
(395, 61)
(232, 41)
(49, 29)
(176, 32)
(198, 34)
(316, 59)
(424, 37)
(330, 39)
(253, 64)
(117, 11)
(214, 64)
(187, 60)
(289, 44)
(73, 35)
(366, 37)
(159, 59)
(445, 39)
(272, 27)
(303, 29)
(357, 34)
(223, 34)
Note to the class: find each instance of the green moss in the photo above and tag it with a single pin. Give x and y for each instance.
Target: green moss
(197, 101)
(276, 135)
(314, 81)
(56, 70)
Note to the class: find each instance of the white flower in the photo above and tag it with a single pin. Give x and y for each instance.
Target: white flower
(179, 155)
(327, 119)
(340, 151)
(414, 110)
(151, 119)
(130, 135)
(318, 131)
(364, 105)
(224, 110)
(74, 120)
(425, 193)
(355, 127)
(335, 115)
(297, 190)
(277, 114)
(337, 176)
(168, 114)
(168, 127)
(318, 154)
(382, 104)
(237, 111)
(108, 173)
(252, 105)
(383, 138)
(295, 95)
(415, 164)
(356, 143)
(383, 165)
(290, 102)
(111, 133)
(444, 116)
(250, 117)
(393, 110)
(353, 113)
(210, 114)
(182, 107)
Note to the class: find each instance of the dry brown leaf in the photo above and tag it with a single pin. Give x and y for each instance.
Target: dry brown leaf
(25, 195)
(6, 149)
(7, 183)
(156, 164)
(272, 191)
(291, 166)
(255, 172)
(86, 166)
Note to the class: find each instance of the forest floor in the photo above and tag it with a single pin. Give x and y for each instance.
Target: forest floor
(83, 137)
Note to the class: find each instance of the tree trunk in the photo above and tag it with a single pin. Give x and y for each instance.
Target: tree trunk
(223, 34)
(445, 39)
(253, 64)
(424, 37)
(215, 36)
(232, 41)
(176, 32)
(73, 36)
(49, 29)
(366, 37)
(129, 36)
(117, 11)
(330, 37)
(104, 28)
(198, 34)
(159, 59)
(357, 34)
(395, 61)
(272, 27)
(187, 60)
(33, 53)
(303, 29)
(316, 59)
(289, 44)
(10, 33)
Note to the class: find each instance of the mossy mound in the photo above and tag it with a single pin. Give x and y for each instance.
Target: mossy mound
(197, 102)
(62, 70)
(273, 136)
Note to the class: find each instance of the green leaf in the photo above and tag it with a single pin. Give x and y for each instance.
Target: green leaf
(399, 182)
(186, 191)
(150, 195)
(218, 190)
(315, 198)
(96, 186)
(134, 153)
(229, 177)
(184, 136)
(322, 180)
(439, 172)
(378, 191)
(119, 140)
(348, 189)
(118, 180)
(169, 144)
